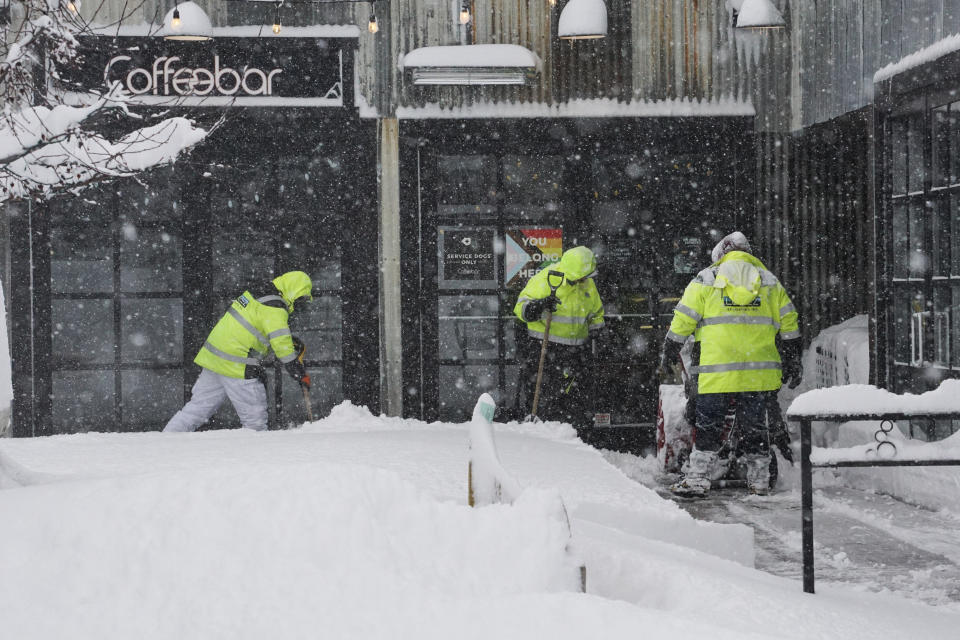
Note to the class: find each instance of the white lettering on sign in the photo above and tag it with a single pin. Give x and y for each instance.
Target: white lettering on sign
(527, 241)
(165, 78)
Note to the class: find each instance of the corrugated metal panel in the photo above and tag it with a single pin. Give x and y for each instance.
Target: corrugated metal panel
(654, 50)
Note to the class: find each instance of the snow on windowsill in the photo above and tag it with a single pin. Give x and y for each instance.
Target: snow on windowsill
(928, 54)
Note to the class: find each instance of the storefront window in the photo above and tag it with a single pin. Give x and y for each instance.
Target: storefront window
(532, 185)
(82, 332)
(901, 240)
(954, 136)
(941, 133)
(941, 325)
(151, 259)
(902, 331)
(152, 330)
(940, 222)
(919, 260)
(149, 397)
(955, 328)
(955, 235)
(468, 327)
(467, 185)
(915, 153)
(83, 400)
(897, 154)
(81, 254)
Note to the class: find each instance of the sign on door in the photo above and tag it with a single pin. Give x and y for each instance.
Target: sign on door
(528, 251)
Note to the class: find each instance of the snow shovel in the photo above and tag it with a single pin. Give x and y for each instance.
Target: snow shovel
(301, 352)
(546, 336)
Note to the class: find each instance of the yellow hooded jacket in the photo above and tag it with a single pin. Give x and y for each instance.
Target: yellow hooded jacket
(252, 325)
(580, 310)
(735, 308)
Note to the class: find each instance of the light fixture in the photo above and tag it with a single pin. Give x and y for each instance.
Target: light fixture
(464, 13)
(553, 3)
(186, 21)
(756, 14)
(472, 64)
(583, 20)
(373, 26)
(276, 18)
(73, 6)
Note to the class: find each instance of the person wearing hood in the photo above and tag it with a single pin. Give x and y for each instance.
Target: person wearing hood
(735, 309)
(577, 314)
(231, 357)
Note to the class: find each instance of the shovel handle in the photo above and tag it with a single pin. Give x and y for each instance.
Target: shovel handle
(546, 336)
(306, 402)
(543, 357)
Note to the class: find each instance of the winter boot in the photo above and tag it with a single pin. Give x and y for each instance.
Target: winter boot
(758, 473)
(697, 472)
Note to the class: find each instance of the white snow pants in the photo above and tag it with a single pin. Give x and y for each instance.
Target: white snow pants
(248, 397)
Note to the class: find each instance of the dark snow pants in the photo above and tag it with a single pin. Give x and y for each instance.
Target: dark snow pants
(751, 408)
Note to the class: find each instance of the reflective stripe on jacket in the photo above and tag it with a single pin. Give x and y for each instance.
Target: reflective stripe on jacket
(580, 311)
(244, 333)
(735, 312)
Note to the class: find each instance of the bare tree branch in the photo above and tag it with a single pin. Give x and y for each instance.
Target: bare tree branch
(51, 140)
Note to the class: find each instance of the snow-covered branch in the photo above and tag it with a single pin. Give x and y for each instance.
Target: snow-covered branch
(48, 144)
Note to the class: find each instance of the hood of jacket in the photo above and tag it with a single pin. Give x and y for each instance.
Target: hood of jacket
(739, 277)
(577, 263)
(294, 285)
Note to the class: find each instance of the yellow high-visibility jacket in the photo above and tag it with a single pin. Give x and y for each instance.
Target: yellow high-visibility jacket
(251, 326)
(580, 311)
(735, 308)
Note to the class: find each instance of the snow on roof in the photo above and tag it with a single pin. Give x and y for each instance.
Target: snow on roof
(590, 108)
(146, 29)
(928, 54)
(471, 55)
(864, 399)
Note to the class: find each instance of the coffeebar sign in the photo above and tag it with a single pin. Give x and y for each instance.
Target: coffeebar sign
(167, 77)
(219, 72)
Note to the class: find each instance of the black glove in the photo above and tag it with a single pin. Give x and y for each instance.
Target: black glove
(297, 371)
(536, 308)
(792, 372)
(668, 357)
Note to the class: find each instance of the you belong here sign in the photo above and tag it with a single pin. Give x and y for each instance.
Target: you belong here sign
(219, 72)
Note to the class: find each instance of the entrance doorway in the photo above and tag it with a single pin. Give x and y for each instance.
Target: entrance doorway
(649, 197)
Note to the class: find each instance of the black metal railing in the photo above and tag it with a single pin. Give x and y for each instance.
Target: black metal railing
(885, 456)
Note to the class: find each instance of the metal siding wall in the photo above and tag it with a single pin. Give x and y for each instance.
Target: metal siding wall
(814, 205)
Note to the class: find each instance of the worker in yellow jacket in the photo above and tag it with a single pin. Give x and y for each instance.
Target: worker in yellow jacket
(735, 309)
(576, 316)
(231, 356)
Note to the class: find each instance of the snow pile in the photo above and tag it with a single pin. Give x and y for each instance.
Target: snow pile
(6, 378)
(860, 399)
(250, 552)
(933, 487)
(356, 527)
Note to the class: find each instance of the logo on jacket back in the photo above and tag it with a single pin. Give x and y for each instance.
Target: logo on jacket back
(727, 302)
(244, 301)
